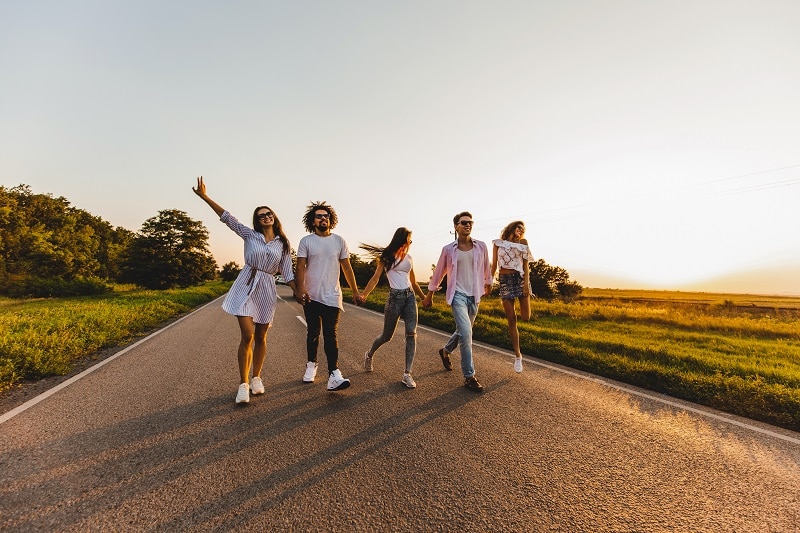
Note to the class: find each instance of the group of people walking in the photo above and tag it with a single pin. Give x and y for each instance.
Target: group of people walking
(322, 255)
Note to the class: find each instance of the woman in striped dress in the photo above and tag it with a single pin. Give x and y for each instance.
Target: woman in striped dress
(252, 297)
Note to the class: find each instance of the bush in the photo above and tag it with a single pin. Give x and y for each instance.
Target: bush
(229, 271)
(34, 287)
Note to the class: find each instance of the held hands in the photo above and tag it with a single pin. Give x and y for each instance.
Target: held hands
(428, 300)
(301, 297)
(358, 298)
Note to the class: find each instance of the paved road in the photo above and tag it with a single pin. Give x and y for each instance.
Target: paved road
(152, 441)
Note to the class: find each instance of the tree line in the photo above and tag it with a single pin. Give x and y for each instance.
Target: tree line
(50, 248)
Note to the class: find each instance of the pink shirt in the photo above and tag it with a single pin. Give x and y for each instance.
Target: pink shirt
(448, 265)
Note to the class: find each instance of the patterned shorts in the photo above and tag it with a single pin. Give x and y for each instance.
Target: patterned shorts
(511, 286)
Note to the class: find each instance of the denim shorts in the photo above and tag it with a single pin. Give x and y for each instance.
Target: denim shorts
(511, 286)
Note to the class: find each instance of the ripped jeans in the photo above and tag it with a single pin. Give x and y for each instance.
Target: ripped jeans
(401, 303)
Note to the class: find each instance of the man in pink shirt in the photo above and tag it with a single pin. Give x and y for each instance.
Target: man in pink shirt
(465, 262)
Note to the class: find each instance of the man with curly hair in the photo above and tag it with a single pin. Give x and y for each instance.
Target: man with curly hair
(320, 256)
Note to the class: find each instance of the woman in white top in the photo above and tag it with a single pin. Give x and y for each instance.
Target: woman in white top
(252, 297)
(513, 256)
(399, 267)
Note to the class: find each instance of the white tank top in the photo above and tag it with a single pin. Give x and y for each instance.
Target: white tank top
(465, 275)
(398, 275)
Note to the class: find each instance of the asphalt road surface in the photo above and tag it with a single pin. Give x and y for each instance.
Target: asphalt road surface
(152, 441)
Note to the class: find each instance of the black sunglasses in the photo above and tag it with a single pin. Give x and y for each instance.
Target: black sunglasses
(465, 222)
(268, 214)
(323, 215)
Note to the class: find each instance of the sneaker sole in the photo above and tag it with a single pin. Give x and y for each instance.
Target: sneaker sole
(341, 386)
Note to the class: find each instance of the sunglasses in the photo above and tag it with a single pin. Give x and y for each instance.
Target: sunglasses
(465, 222)
(323, 215)
(268, 214)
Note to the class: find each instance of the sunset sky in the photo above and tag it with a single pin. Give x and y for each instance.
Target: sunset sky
(646, 144)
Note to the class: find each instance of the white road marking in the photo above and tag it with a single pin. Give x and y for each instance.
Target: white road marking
(33, 401)
(621, 388)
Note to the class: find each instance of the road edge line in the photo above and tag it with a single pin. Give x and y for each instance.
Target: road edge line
(33, 401)
(605, 382)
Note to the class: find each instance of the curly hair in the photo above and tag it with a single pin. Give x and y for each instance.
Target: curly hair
(276, 227)
(391, 254)
(308, 218)
(510, 228)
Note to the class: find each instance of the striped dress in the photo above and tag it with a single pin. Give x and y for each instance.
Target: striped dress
(253, 293)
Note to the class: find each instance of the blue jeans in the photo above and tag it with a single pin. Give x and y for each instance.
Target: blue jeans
(401, 303)
(464, 311)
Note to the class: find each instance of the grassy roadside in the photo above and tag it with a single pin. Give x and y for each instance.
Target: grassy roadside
(736, 353)
(45, 337)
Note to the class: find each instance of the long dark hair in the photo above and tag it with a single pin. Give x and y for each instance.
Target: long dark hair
(276, 227)
(388, 256)
(308, 218)
(510, 228)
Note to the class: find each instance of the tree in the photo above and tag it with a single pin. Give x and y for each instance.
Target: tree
(229, 271)
(171, 250)
(550, 282)
(363, 271)
(46, 245)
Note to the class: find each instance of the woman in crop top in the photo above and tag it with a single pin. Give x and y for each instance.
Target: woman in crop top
(512, 256)
(399, 267)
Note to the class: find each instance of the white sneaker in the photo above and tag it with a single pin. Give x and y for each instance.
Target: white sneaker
(367, 361)
(256, 385)
(409, 382)
(311, 372)
(243, 396)
(518, 364)
(336, 381)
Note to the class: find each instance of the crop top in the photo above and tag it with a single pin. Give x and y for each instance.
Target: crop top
(511, 254)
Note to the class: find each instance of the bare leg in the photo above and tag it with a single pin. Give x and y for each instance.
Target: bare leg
(260, 348)
(245, 352)
(511, 317)
(525, 308)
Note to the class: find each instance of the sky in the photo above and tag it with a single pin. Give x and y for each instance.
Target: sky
(645, 144)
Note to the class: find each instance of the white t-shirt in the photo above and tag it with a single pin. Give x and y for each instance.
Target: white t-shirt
(322, 268)
(399, 275)
(465, 275)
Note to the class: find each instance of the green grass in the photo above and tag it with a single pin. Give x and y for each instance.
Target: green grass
(736, 353)
(45, 337)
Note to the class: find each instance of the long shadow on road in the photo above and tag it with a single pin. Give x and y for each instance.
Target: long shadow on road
(90, 477)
